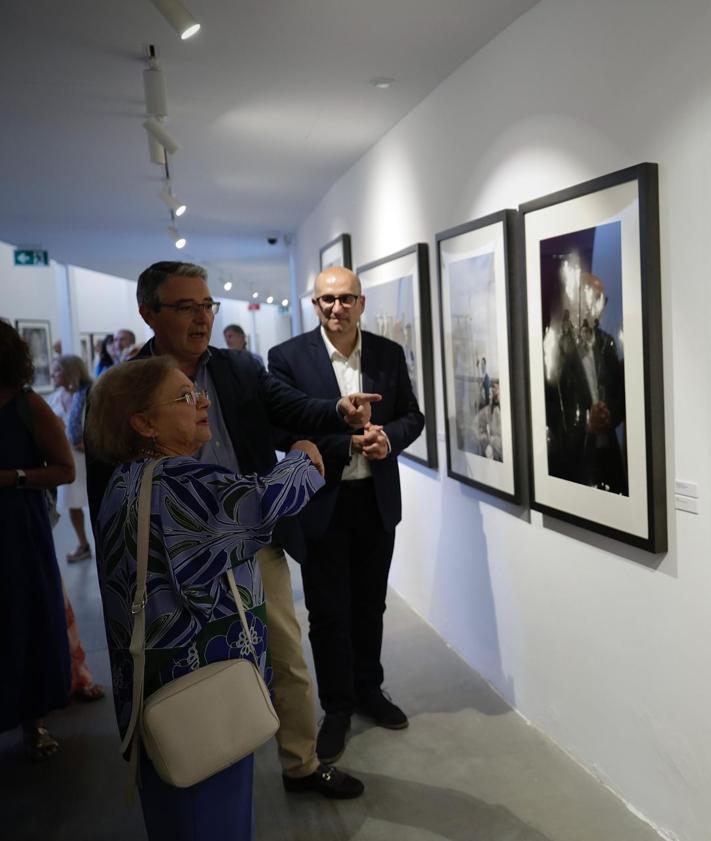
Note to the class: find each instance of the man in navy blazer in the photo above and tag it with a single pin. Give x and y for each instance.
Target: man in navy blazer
(349, 525)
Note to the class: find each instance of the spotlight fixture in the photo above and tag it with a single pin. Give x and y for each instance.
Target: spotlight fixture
(178, 17)
(285, 302)
(270, 299)
(180, 242)
(381, 82)
(154, 86)
(255, 295)
(157, 131)
(167, 197)
(228, 286)
(156, 151)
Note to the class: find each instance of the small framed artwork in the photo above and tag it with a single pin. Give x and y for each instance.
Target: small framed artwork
(595, 356)
(309, 319)
(337, 252)
(484, 398)
(37, 334)
(86, 345)
(397, 293)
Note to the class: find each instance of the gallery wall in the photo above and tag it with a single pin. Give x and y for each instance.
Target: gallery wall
(76, 300)
(602, 646)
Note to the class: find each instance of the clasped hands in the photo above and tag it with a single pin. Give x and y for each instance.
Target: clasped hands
(373, 443)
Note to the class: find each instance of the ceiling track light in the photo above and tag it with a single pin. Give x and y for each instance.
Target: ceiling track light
(157, 131)
(179, 241)
(178, 17)
(154, 86)
(270, 299)
(156, 151)
(167, 197)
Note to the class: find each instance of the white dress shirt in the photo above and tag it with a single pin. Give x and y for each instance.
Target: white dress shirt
(349, 378)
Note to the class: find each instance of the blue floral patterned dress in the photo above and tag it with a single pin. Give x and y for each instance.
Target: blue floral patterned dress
(204, 519)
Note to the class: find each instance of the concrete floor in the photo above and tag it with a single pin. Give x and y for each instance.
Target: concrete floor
(467, 769)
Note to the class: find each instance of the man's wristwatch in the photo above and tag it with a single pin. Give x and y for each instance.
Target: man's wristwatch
(20, 478)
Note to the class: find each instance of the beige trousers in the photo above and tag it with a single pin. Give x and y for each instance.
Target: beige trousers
(293, 690)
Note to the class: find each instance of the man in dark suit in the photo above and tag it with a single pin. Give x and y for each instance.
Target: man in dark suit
(350, 524)
(175, 301)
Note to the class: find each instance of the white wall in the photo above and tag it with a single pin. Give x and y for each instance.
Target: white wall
(76, 300)
(28, 292)
(608, 656)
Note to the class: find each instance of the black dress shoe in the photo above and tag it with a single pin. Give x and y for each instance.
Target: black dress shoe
(382, 710)
(331, 741)
(328, 781)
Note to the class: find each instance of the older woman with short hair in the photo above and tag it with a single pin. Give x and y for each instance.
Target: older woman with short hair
(204, 520)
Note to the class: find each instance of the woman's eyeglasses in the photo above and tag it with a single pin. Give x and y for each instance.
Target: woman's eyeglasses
(192, 398)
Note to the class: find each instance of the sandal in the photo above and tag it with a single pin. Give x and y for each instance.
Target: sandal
(92, 692)
(81, 553)
(40, 744)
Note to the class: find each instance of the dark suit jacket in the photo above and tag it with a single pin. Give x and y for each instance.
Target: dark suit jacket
(251, 400)
(303, 362)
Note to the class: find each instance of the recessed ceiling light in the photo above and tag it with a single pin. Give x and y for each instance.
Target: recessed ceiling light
(255, 295)
(285, 302)
(382, 82)
(270, 299)
(228, 286)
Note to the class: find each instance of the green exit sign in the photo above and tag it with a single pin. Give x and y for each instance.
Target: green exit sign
(31, 257)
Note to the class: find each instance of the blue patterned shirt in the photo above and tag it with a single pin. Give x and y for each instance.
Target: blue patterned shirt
(204, 519)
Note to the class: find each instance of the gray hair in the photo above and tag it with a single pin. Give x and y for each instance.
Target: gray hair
(154, 276)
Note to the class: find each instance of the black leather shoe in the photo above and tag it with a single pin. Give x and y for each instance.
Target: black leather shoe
(328, 781)
(331, 741)
(382, 710)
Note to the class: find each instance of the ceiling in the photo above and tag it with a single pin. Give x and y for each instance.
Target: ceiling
(270, 102)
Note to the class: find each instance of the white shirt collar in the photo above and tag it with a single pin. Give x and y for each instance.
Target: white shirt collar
(333, 352)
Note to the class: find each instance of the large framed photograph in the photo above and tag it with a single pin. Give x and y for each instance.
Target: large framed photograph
(397, 296)
(38, 336)
(595, 356)
(337, 252)
(484, 400)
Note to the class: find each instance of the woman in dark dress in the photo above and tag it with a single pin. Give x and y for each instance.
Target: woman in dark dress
(34, 455)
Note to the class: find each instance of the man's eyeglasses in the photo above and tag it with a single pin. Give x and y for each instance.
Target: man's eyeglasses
(192, 398)
(346, 301)
(191, 309)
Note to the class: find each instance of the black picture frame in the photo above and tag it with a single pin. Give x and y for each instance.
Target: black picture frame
(409, 269)
(480, 338)
(337, 252)
(594, 356)
(38, 335)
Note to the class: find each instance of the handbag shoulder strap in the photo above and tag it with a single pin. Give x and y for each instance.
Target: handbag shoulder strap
(138, 608)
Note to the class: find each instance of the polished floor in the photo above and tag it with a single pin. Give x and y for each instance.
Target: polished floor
(467, 769)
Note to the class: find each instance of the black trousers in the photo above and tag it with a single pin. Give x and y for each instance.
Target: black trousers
(345, 577)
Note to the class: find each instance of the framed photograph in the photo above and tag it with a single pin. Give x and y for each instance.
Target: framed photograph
(309, 319)
(38, 336)
(595, 356)
(86, 344)
(397, 294)
(337, 252)
(484, 401)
